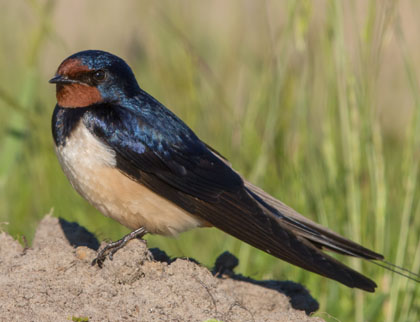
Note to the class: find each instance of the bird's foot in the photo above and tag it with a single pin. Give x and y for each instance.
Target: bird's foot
(110, 249)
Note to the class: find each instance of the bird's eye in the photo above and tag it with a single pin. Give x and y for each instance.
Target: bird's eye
(99, 75)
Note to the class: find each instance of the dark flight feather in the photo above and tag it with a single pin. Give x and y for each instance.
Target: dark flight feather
(179, 167)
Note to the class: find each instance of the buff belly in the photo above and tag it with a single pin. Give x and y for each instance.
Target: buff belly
(91, 168)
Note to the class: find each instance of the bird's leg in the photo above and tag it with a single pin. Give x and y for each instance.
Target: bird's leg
(110, 249)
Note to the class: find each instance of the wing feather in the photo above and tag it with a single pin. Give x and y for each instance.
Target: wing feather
(169, 159)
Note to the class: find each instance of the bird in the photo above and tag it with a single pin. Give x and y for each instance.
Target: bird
(139, 164)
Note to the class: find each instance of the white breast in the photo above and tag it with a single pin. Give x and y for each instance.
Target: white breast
(90, 166)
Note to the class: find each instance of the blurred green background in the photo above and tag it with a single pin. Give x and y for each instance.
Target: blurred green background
(317, 102)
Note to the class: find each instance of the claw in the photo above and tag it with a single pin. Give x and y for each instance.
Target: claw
(110, 249)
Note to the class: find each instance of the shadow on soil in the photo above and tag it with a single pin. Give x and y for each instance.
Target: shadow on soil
(300, 299)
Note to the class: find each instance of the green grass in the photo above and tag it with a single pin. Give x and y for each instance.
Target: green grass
(79, 319)
(317, 103)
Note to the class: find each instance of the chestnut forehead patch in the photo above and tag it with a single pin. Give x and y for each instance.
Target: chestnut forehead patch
(72, 67)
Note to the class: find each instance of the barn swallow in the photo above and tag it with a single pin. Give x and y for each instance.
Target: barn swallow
(138, 163)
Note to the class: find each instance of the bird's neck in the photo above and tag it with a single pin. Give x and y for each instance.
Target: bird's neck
(77, 95)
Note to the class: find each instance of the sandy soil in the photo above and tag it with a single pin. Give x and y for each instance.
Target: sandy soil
(54, 281)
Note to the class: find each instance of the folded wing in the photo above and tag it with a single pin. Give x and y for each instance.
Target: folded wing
(169, 159)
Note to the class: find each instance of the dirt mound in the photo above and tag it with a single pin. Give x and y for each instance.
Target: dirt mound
(54, 281)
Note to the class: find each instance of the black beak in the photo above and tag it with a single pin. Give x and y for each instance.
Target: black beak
(59, 79)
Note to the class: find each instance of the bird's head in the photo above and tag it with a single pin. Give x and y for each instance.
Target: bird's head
(93, 77)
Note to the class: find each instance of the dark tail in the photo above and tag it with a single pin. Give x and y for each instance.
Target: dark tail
(313, 237)
(268, 224)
